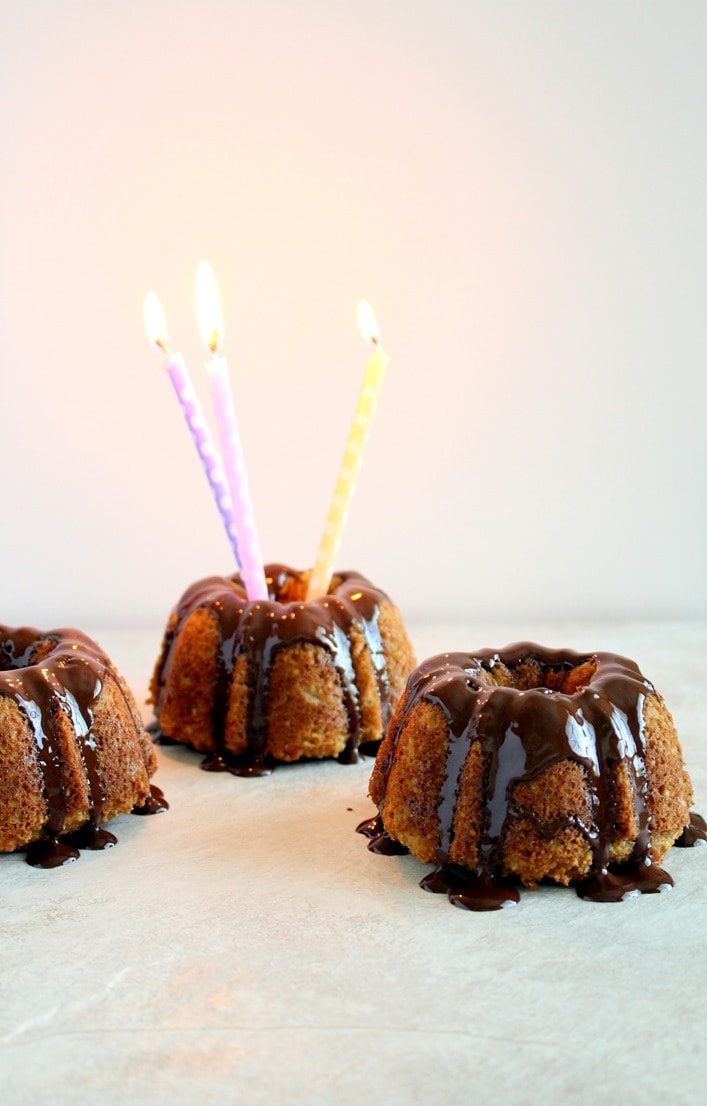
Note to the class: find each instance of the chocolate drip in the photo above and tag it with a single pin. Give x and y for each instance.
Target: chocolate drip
(379, 840)
(244, 765)
(51, 675)
(91, 836)
(624, 881)
(51, 853)
(476, 891)
(257, 631)
(695, 832)
(68, 680)
(598, 724)
(155, 803)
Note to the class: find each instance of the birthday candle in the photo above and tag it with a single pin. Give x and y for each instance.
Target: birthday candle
(176, 368)
(208, 310)
(353, 455)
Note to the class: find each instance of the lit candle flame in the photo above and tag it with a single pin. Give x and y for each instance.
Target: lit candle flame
(208, 307)
(176, 369)
(367, 323)
(155, 322)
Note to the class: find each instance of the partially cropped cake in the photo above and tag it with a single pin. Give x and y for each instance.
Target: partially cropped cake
(531, 764)
(73, 750)
(255, 683)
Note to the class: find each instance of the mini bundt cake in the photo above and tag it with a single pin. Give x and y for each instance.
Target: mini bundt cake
(531, 764)
(254, 683)
(73, 750)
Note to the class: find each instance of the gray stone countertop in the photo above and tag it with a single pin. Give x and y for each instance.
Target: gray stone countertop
(246, 947)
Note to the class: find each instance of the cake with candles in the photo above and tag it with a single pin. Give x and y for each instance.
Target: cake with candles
(273, 665)
(530, 764)
(73, 750)
(254, 683)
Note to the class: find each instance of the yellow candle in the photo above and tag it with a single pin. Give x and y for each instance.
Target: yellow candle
(353, 456)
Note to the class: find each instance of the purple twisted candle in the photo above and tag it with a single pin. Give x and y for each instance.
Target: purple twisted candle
(178, 373)
(208, 309)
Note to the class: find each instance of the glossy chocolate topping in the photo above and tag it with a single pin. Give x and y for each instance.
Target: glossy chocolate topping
(258, 630)
(587, 709)
(47, 674)
(695, 832)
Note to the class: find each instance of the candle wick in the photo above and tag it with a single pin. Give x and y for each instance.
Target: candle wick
(161, 344)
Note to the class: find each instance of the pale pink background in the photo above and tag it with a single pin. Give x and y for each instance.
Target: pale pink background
(519, 190)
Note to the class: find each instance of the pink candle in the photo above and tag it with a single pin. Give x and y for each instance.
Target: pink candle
(193, 413)
(208, 308)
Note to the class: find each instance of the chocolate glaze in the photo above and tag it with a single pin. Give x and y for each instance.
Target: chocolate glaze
(522, 734)
(155, 803)
(259, 630)
(47, 674)
(51, 853)
(379, 841)
(470, 890)
(624, 881)
(90, 836)
(695, 832)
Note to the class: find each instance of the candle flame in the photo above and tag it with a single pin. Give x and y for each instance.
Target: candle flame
(208, 307)
(367, 323)
(155, 322)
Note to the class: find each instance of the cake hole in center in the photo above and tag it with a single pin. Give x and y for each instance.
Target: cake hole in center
(17, 653)
(529, 673)
(285, 586)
